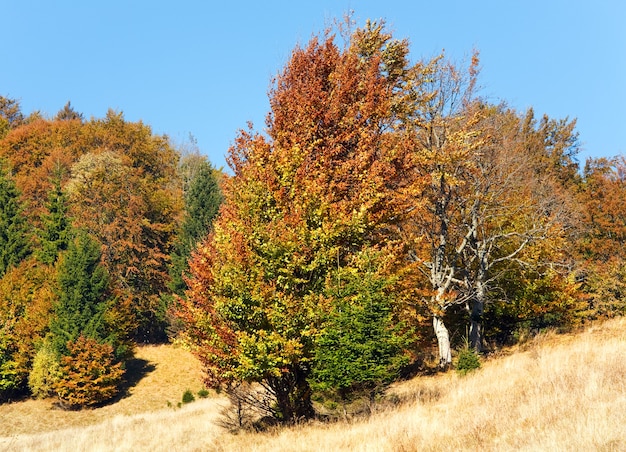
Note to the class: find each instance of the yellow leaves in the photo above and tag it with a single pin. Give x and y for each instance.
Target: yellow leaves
(266, 353)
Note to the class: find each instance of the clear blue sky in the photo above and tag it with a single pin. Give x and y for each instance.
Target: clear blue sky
(204, 67)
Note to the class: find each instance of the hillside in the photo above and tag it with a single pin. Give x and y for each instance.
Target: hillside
(557, 392)
(158, 375)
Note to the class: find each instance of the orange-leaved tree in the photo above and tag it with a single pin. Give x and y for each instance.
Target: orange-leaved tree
(304, 204)
(131, 207)
(603, 197)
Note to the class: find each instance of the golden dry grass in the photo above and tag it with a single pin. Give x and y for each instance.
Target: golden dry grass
(559, 393)
(165, 372)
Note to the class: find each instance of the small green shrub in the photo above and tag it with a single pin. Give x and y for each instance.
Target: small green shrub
(468, 361)
(203, 393)
(188, 396)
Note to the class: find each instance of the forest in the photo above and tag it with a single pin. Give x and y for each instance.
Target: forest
(387, 219)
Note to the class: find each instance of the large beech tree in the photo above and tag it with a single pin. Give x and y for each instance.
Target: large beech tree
(444, 139)
(516, 214)
(303, 202)
(490, 186)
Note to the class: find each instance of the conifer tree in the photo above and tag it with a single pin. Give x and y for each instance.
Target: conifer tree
(14, 230)
(54, 236)
(82, 295)
(202, 202)
(362, 346)
(67, 113)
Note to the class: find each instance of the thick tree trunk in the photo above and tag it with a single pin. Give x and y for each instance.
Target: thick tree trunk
(476, 327)
(443, 340)
(293, 396)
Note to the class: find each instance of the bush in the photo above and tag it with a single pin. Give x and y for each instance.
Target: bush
(45, 372)
(468, 361)
(89, 374)
(203, 393)
(188, 396)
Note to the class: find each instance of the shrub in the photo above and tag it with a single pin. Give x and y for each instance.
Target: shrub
(45, 372)
(188, 396)
(89, 374)
(203, 393)
(468, 360)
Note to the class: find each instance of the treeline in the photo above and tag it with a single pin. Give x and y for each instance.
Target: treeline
(97, 220)
(386, 211)
(386, 205)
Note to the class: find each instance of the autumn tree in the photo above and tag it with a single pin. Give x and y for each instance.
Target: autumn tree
(602, 194)
(26, 298)
(303, 203)
(514, 211)
(124, 193)
(10, 115)
(14, 230)
(35, 151)
(89, 374)
(444, 139)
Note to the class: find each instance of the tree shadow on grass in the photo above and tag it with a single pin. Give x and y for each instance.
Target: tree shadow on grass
(136, 370)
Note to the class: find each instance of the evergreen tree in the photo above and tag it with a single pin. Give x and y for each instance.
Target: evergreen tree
(54, 236)
(82, 295)
(362, 347)
(14, 230)
(202, 202)
(67, 113)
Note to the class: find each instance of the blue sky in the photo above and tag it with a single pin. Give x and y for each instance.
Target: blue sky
(204, 67)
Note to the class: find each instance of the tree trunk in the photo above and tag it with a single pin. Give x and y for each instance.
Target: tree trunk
(478, 303)
(293, 396)
(476, 328)
(443, 340)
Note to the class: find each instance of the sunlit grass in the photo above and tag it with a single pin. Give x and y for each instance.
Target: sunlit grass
(565, 393)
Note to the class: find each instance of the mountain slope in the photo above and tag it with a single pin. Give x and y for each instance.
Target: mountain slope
(558, 392)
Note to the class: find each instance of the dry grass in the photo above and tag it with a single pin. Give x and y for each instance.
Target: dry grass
(565, 393)
(160, 374)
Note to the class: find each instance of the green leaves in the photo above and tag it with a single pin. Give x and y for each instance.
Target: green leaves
(14, 230)
(202, 202)
(362, 345)
(82, 295)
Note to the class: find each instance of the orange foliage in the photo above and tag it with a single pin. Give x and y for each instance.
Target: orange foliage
(89, 375)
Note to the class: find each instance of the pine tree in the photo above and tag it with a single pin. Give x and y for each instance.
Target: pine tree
(14, 230)
(82, 291)
(202, 202)
(54, 236)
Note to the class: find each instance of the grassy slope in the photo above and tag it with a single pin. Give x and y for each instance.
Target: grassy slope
(161, 374)
(557, 393)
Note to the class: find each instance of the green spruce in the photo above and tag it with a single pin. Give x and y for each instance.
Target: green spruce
(361, 348)
(55, 233)
(202, 202)
(14, 229)
(82, 295)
